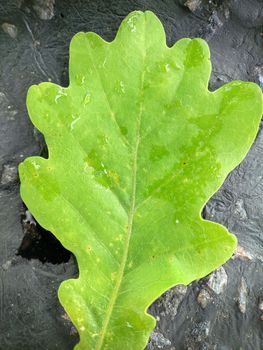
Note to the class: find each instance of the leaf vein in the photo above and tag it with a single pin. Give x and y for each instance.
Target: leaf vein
(131, 212)
(112, 113)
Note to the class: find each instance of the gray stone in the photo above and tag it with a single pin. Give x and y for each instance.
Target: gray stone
(242, 296)
(204, 298)
(218, 280)
(158, 340)
(44, 8)
(171, 301)
(9, 174)
(193, 5)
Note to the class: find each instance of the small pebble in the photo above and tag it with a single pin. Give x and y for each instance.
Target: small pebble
(204, 298)
(44, 8)
(159, 340)
(6, 265)
(9, 174)
(10, 29)
(29, 218)
(218, 280)
(242, 254)
(193, 4)
(242, 296)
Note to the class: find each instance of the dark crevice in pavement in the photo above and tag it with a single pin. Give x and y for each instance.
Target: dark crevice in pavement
(39, 243)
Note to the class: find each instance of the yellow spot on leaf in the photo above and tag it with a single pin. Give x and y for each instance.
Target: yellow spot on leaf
(89, 249)
(113, 276)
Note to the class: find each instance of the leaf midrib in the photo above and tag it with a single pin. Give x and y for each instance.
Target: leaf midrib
(130, 215)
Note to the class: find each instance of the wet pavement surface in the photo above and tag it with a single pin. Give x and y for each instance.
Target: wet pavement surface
(223, 311)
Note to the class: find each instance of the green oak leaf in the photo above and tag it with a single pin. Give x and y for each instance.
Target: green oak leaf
(137, 145)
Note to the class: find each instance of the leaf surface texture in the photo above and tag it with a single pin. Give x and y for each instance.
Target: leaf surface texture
(137, 145)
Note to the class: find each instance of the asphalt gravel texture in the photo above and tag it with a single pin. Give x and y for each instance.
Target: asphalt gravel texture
(223, 311)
